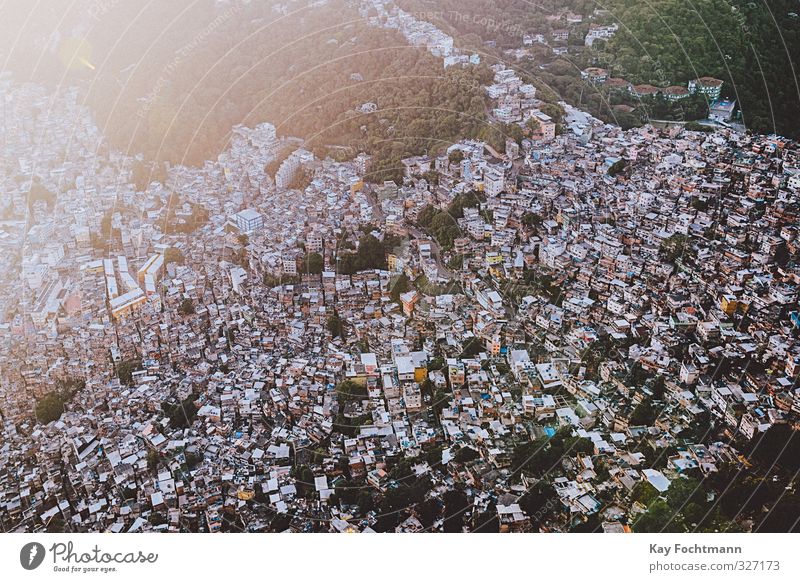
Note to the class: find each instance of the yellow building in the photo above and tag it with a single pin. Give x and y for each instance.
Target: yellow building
(124, 305)
(729, 304)
(245, 494)
(356, 186)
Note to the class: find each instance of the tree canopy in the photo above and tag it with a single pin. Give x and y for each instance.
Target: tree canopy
(50, 407)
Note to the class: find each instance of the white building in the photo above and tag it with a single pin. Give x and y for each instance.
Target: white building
(708, 86)
(287, 172)
(249, 220)
(493, 181)
(288, 264)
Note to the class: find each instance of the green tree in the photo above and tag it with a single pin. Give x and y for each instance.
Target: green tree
(186, 307)
(486, 521)
(532, 220)
(455, 508)
(674, 247)
(192, 459)
(779, 445)
(427, 512)
(617, 167)
(658, 517)
(153, 460)
(658, 387)
(369, 255)
(335, 325)
(401, 285)
(644, 493)
(280, 522)
(174, 255)
(313, 263)
(436, 363)
(51, 406)
(465, 455)
(125, 370)
(39, 192)
(644, 414)
(782, 517)
(539, 502)
(455, 157)
(182, 414)
(349, 390)
(365, 501)
(536, 458)
(304, 481)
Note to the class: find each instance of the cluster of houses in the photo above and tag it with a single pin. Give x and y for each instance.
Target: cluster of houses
(418, 32)
(710, 88)
(563, 24)
(631, 289)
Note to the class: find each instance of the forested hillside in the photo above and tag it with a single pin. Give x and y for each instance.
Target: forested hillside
(171, 79)
(752, 45)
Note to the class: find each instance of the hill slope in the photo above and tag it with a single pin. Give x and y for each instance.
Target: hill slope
(171, 79)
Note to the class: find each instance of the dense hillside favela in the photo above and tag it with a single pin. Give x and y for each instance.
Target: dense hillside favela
(551, 291)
